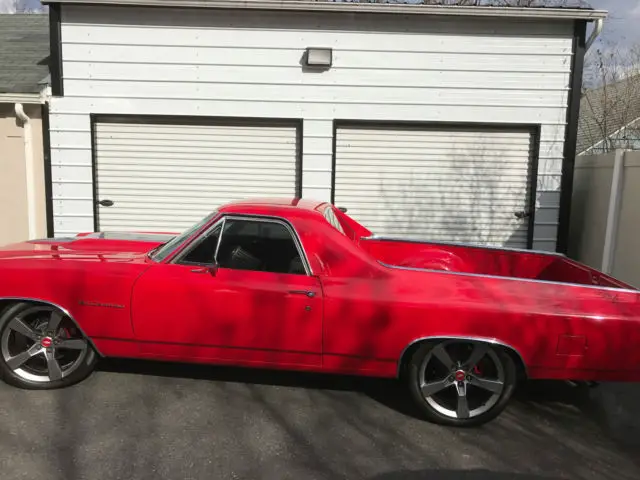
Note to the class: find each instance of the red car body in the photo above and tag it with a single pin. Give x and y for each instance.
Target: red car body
(364, 303)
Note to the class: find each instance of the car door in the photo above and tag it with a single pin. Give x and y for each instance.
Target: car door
(241, 293)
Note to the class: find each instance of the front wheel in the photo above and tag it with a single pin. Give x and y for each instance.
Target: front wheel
(42, 348)
(461, 383)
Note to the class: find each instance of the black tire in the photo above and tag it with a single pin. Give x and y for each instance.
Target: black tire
(72, 373)
(415, 374)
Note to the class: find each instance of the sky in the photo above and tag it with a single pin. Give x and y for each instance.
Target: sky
(622, 25)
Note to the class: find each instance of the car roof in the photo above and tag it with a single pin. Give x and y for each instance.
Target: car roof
(275, 206)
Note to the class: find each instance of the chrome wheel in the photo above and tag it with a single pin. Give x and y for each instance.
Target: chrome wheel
(461, 380)
(40, 344)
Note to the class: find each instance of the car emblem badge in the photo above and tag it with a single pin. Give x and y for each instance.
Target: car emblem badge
(460, 376)
(46, 342)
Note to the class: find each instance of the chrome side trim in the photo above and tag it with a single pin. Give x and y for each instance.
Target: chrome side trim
(460, 244)
(63, 310)
(491, 341)
(511, 279)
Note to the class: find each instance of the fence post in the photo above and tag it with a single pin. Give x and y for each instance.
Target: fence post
(613, 213)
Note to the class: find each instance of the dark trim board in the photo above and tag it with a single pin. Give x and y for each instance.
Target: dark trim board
(571, 135)
(297, 123)
(55, 50)
(94, 173)
(533, 185)
(48, 183)
(299, 153)
(533, 165)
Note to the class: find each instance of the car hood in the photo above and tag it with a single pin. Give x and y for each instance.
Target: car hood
(107, 246)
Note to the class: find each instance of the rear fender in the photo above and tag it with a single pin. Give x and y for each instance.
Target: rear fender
(490, 341)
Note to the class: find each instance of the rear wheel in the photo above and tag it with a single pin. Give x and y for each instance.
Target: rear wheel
(42, 348)
(461, 383)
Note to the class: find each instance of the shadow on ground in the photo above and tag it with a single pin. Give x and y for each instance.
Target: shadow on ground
(389, 393)
(456, 475)
(156, 421)
(612, 410)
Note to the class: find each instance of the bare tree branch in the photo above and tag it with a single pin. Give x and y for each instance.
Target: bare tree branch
(611, 103)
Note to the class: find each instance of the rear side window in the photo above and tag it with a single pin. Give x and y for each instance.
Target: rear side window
(330, 216)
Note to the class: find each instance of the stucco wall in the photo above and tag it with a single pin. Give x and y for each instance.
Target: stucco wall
(14, 224)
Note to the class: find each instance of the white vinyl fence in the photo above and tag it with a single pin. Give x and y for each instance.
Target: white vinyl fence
(605, 214)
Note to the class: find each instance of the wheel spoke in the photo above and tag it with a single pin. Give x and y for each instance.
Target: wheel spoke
(55, 372)
(441, 354)
(463, 406)
(479, 351)
(430, 388)
(493, 386)
(19, 326)
(73, 344)
(18, 360)
(54, 321)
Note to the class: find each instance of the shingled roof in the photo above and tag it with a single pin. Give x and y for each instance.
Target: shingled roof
(24, 52)
(484, 6)
(580, 4)
(606, 110)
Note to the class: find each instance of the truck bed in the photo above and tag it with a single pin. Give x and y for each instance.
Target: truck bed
(476, 260)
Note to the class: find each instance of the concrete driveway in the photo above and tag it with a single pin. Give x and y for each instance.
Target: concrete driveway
(138, 420)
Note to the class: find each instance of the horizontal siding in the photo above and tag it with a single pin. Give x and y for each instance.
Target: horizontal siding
(386, 68)
(347, 95)
(385, 77)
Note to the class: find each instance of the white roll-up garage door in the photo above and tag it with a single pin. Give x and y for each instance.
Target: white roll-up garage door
(440, 184)
(165, 177)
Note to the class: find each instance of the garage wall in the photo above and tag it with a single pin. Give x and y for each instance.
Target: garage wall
(14, 220)
(124, 60)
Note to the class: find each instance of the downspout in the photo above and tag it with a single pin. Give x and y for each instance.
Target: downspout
(29, 170)
(595, 34)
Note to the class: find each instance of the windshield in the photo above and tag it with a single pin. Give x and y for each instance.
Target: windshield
(164, 250)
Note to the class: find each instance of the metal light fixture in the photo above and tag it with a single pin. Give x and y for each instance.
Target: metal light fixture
(318, 57)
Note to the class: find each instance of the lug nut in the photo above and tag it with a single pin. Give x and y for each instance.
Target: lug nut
(468, 378)
(451, 378)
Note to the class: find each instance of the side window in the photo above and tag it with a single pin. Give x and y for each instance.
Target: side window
(330, 216)
(260, 246)
(204, 252)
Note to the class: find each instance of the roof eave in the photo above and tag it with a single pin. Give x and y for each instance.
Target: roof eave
(305, 5)
(27, 98)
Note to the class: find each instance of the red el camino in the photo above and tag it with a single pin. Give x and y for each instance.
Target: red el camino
(300, 285)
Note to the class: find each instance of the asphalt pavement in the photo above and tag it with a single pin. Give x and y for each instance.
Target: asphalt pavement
(143, 420)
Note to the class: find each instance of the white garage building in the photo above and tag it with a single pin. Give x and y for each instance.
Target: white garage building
(445, 122)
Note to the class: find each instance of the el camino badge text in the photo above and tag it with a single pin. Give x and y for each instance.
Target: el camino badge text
(98, 304)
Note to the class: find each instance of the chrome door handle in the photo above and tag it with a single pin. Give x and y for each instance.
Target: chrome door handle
(303, 292)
